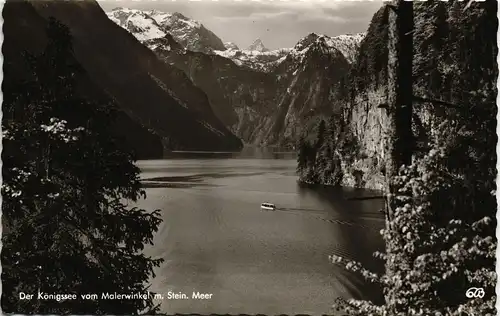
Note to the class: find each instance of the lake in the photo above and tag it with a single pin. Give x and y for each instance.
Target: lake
(216, 240)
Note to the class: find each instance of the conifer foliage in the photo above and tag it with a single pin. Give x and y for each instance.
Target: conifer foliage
(441, 240)
(432, 260)
(319, 159)
(66, 183)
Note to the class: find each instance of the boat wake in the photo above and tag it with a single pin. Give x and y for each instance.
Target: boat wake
(312, 213)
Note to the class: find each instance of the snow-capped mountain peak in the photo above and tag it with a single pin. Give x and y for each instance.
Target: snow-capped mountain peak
(153, 27)
(154, 24)
(257, 45)
(175, 18)
(260, 58)
(347, 44)
(231, 46)
(142, 25)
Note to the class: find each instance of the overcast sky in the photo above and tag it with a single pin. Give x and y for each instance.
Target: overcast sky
(277, 23)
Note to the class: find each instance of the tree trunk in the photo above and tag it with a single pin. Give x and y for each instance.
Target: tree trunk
(399, 138)
(399, 106)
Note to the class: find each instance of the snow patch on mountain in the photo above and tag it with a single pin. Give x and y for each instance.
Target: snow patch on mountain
(267, 60)
(147, 25)
(231, 46)
(143, 26)
(258, 46)
(347, 44)
(261, 61)
(172, 18)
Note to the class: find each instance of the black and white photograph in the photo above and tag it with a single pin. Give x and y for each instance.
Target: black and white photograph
(265, 157)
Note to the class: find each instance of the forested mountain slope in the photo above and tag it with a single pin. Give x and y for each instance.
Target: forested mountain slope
(452, 63)
(159, 103)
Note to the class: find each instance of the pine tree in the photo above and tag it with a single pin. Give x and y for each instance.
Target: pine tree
(66, 180)
(302, 152)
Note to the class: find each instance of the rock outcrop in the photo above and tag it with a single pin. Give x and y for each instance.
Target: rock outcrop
(452, 63)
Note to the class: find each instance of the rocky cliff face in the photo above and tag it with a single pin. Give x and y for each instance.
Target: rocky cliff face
(442, 71)
(267, 108)
(366, 122)
(157, 101)
(265, 97)
(312, 74)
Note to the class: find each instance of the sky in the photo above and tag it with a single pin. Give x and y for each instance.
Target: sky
(278, 23)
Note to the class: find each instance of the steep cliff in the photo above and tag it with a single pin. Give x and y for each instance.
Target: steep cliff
(452, 64)
(268, 108)
(312, 74)
(157, 101)
(364, 120)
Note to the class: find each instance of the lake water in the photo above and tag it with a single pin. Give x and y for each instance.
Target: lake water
(215, 239)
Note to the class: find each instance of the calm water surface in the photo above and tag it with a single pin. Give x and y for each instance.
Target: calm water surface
(215, 239)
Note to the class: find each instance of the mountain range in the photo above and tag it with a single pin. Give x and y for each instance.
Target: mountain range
(272, 97)
(265, 97)
(179, 86)
(161, 109)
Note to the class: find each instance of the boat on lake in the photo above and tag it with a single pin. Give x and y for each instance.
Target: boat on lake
(268, 206)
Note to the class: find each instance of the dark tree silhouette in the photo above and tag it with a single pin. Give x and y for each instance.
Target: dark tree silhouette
(66, 180)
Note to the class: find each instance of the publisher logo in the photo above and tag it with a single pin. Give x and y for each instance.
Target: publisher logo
(475, 292)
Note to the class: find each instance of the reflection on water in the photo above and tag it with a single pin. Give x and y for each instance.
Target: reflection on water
(364, 214)
(245, 153)
(189, 181)
(215, 239)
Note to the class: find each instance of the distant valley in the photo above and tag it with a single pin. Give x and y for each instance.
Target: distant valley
(276, 97)
(266, 97)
